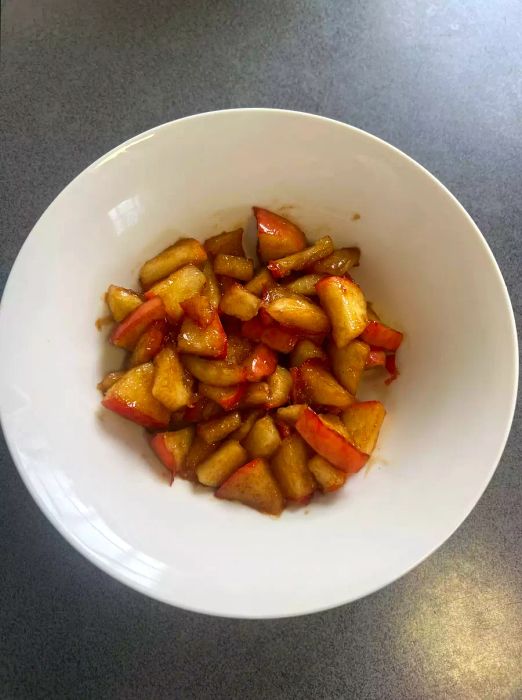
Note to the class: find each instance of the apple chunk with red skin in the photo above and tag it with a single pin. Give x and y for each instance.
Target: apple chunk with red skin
(381, 336)
(277, 237)
(254, 486)
(131, 397)
(329, 443)
(173, 447)
(345, 306)
(127, 333)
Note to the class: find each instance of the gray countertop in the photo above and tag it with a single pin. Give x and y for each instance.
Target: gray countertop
(440, 80)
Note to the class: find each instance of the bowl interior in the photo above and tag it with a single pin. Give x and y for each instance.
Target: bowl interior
(424, 266)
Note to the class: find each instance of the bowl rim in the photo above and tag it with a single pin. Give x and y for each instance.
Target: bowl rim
(80, 546)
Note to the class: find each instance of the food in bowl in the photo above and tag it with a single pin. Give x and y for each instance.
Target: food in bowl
(247, 378)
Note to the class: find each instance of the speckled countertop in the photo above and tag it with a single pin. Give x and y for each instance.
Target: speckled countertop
(440, 80)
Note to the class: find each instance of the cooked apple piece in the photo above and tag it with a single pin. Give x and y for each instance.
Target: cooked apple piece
(172, 385)
(339, 262)
(327, 476)
(263, 440)
(199, 309)
(254, 486)
(199, 451)
(391, 367)
(260, 363)
(131, 396)
(149, 343)
(335, 423)
(247, 422)
(173, 447)
(127, 332)
(290, 468)
(256, 394)
(226, 243)
(381, 336)
(299, 261)
(186, 251)
(211, 289)
(304, 285)
(328, 443)
(259, 282)
(215, 372)
(315, 385)
(234, 266)
(228, 397)
(345, 305)
(280, 385)
(295, 312)
(306, 350)
(217, 429)
(108, 380)
(201, 408)
(363, 422)
(179, 286)
(218, 466)
(290, 414)
(274, 335)
(238, 349)
(236, 301)
(348, 363)
(207, 342)
(122, 302)
(277, 237)
(376, 358)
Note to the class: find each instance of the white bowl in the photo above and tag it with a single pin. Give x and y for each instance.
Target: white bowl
(425, 266)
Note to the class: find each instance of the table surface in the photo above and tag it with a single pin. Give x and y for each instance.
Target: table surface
(440, 80)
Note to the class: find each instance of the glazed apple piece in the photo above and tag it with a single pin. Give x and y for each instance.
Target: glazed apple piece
(326, 475)
(172, 385)
(315, 385)
(238, 349)
(263, 440)
(122, 301)
(363, 422)
(236, 301)
(261, 363)
(200, 309)
(304, 285)
(219, 465)
(211, 289)
(290, 468)
(108, 380)
(345, 305)
(381, 336)
(186, 251)
(131, 397)
(198, 452)
(149, 343)
(205, 342)
(173, 447)
(339, 262)
(277, 237)
(226, 243)
(215, 372)
(280, 387)
(127, 333)
(348, 363)
(239, 268)
(217, 429)
(274, 335)
(295, 311)
(301, 260)
(290, 414)
(259, 282)
(248, 418)
(228, 397)
(328, 443)
(376, 358)
(179, 286)
(254, 486)
(256, 394)
(306, 350)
